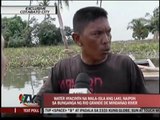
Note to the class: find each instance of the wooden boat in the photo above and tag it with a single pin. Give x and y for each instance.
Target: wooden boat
(151, 74)
(149, 70)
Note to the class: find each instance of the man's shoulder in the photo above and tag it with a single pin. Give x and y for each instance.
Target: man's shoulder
(120, 56)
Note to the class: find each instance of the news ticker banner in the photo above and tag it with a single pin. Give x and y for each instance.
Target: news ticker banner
(25, 10)
(33, 111)
(100, 110)
(101, 103)
(92, 104)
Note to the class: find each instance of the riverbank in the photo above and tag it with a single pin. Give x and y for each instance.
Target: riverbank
(46, 56)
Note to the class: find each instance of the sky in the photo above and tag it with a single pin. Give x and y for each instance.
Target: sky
(120, 13)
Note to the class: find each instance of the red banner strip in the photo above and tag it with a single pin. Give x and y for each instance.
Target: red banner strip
(7, 110)
(21, 110)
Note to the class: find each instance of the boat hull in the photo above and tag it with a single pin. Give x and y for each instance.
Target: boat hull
(152, 81)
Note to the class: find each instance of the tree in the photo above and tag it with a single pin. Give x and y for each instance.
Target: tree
(46, 2)
(153, 23)
(15, 32)
(48, 33)
(68, 31)
(139, 28)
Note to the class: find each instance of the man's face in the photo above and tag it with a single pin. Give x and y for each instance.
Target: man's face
(96, 39)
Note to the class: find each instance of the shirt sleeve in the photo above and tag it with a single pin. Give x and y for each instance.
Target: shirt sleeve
(49, 86)
(137, 79)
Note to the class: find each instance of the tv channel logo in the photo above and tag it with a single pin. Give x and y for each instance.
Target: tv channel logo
(26, 98)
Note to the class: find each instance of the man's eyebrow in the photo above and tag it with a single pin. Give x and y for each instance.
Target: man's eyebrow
(101, 29)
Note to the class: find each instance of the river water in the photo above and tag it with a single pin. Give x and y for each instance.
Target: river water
(21, 81)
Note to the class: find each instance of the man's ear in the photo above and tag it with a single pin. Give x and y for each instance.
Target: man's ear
(76, 38)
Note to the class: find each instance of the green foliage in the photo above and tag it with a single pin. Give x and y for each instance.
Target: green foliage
(153, 21)
(35, 56)
(18, 33)
(48, 34)
(142, 26)
(15, 32)
(140, 30)
(48, 56)
(16, 42)
(140, 49)
(68, 30)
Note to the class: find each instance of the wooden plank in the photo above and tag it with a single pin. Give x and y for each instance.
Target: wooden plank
(151, 75)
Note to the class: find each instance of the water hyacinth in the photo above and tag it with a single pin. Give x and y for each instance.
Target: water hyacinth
(47, 56)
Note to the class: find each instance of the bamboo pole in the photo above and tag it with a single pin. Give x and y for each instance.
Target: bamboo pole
(61, 26)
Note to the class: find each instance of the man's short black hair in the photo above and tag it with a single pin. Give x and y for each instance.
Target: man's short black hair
(85, 15)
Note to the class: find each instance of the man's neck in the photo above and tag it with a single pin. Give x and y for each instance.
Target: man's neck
(92, 62)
